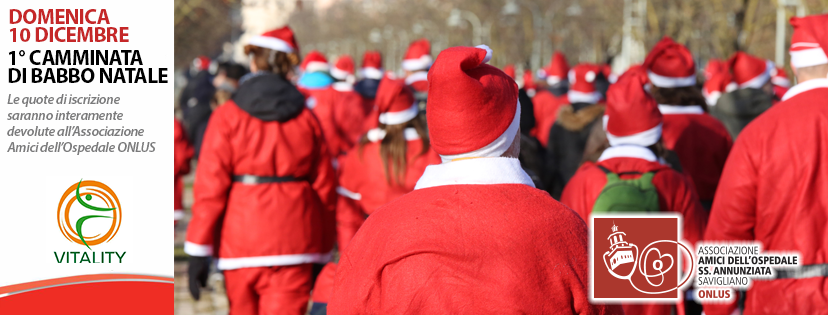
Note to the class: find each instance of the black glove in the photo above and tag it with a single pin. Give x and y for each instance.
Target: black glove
(197, 271)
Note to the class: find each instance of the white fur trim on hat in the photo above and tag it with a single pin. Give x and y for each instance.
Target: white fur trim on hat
(421, 63)
(628, 151)
(780, 81)
(339, 74)
(342, 86)
(488, 53)
(395, 118)
(497, 147)
(757, 82)
(271, 42)
(808, 57)
(676, 109)
(581, 97)
(645, 138)
(371, 73)
(553, 79)
(712, 98)
(316, 66)
(671, 82)
(487, 171)
(378, 134)
(416, 76)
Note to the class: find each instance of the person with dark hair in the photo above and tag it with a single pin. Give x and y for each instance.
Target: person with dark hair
(568, 135)
(194, 102)
(700, 141)
(226, 82)
(633, 127)
(475, 236)
(548, 99)
(265, 189)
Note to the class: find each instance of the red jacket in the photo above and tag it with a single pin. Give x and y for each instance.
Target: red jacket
(776, 188)
(701, 143)
(675, 194)
(546, 112)
(341, 113)
(182, 152)
(362, 184)
(264, 131)
(475, 237)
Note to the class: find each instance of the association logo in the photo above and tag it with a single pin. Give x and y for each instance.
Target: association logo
(637, 258)
(89, 213)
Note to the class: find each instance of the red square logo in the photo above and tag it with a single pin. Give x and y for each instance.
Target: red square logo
(636, 258)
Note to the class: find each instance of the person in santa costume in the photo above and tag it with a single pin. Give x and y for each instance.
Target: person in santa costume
(529, 83)
(339, 108)
(700, 141)
(315, 73)
(531, 152)
(780, 82)
(716, 86)
(714, 66)
(549, 99)
(775, 182)
(265, 189)
(474, 236)
(633, 125)
(371, 73)
(182, 152)
(386, 163)
(572, 126)
(416, 62)
(753, 96)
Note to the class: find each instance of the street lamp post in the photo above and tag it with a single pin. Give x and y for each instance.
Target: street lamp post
(455, 19)
(512, 7)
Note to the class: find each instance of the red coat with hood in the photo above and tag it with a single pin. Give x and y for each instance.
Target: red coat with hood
(775, 188)
(264, 131)
(474, 237)
(341, 114)
(701, 142)
(675, 194)
(546, 106)
(182, 152)
(362, 181)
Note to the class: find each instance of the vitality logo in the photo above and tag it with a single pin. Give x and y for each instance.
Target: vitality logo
(89, 213)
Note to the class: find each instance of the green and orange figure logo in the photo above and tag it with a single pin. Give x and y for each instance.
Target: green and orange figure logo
(89, 213)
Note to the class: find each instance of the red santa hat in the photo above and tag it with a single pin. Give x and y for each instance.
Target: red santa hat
(809, 42)
(314, 62)
(509, 70)
(418, 56)
(395, 102)
(717, 85)
(749, 71)
(280, 39)
(670, 65)
(529, 80)
(343, 68)
(714, 67)
(582, 84)
(557, 69)
(779, 77)
(632, 116)
(473, 108)
(201, 63)
(371, 65)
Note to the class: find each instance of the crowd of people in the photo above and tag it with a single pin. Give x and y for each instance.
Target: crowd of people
(453, 189)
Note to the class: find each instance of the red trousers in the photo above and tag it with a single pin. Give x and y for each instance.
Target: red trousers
(269, 290)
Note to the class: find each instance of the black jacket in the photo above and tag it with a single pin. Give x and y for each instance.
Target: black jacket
(567, 140)
(269, 97)
(738, 108)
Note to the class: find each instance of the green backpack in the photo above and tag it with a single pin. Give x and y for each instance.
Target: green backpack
(627, 195)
